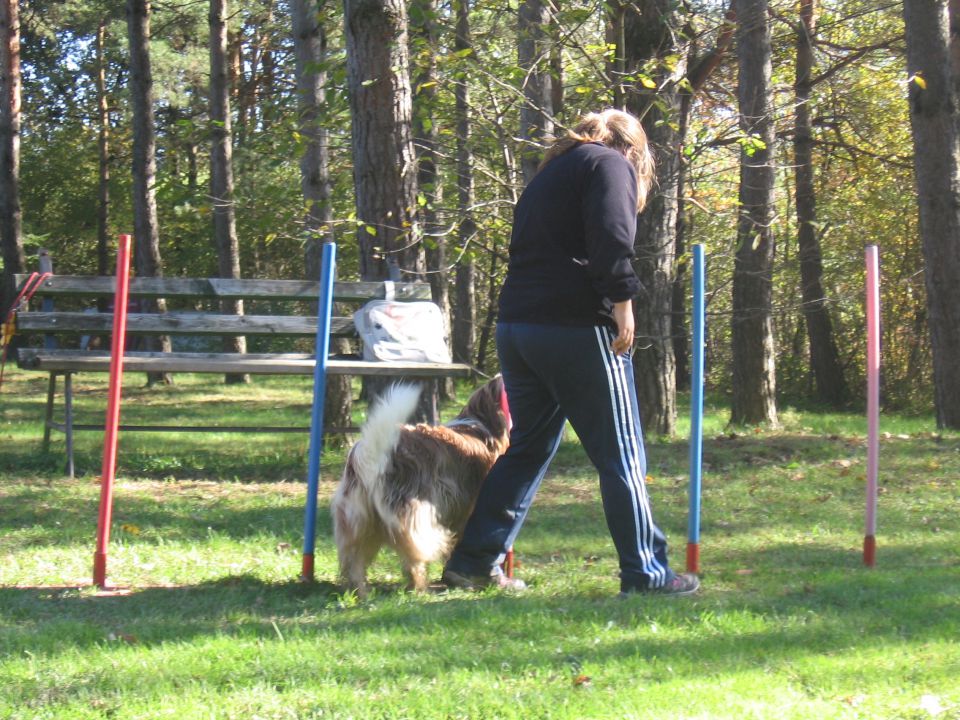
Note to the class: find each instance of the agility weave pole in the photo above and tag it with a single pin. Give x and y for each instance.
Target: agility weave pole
(696, 411)
(111, 427)
(873, 403)
(322, 350)
(8, 325)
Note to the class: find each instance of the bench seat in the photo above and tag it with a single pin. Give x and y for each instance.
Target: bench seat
(248, 363)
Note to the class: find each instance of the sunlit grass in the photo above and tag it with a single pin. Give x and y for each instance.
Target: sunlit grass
(212, 623)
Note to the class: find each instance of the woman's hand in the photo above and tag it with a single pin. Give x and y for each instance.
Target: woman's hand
(623, 317)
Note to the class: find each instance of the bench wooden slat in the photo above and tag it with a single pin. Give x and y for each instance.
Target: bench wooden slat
(181, 324)
(255, 364)
(123, 427)
(92, 286)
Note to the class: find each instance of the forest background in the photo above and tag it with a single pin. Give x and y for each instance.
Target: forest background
(785, 135)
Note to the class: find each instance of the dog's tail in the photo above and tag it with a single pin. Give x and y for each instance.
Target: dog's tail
(414, 527)
(381, 433)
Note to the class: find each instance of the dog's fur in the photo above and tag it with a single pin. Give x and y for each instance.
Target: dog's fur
(412, 487)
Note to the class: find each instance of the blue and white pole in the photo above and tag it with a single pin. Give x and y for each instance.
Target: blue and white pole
(327, 267)
(696, 412)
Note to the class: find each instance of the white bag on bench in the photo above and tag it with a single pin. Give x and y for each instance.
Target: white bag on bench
(402, 331)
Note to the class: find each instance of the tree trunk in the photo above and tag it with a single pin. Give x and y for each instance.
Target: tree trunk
(556, 71)
(310, 49)
(486, 330)
(678, 306)
(533, 54)
(268, 73)
(754, 379)
(463, 330)
(146, 230)
(615, 64)
(425, 51)
(936, 141)
(221, 174)
(700, 69)
(103, 149)
(954, 9)
(647, 35)
(238, 82)
(824, 357)
(384, 160)
(385, 177)
(10, 89)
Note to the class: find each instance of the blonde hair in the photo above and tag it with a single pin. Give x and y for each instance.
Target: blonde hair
(618, 130)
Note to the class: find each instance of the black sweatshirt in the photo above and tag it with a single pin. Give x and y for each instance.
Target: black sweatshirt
(572, 241)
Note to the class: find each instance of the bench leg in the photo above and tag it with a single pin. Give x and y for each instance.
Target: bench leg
(68, 420)
(48, 418)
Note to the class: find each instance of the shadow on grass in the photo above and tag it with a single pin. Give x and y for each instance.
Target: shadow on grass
(903, 596)
(855, 615)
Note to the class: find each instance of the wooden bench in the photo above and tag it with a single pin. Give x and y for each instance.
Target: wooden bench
(276, 310)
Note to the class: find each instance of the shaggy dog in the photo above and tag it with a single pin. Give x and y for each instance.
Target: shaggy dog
(412, 487)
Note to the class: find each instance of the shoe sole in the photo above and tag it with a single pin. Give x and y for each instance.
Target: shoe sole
(659, 592)
(460, 582)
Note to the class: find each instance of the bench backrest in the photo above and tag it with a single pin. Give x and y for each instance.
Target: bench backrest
(283, 301)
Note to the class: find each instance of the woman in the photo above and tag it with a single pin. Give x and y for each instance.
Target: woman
(564, 334)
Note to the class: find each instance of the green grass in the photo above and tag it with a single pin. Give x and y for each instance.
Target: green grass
(211, 623)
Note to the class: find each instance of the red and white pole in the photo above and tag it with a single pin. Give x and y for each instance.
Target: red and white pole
(873, 403)
(111, 428)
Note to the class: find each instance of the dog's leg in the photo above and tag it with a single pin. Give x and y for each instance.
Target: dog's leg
(357, 545)
(421, 540)
(416, 573)
(355, 558)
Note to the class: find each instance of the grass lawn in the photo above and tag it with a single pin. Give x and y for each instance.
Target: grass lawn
(210, 622)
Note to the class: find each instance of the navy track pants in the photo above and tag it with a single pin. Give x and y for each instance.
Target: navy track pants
(553, 373)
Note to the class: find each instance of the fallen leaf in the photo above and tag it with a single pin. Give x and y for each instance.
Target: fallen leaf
(129, 639)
